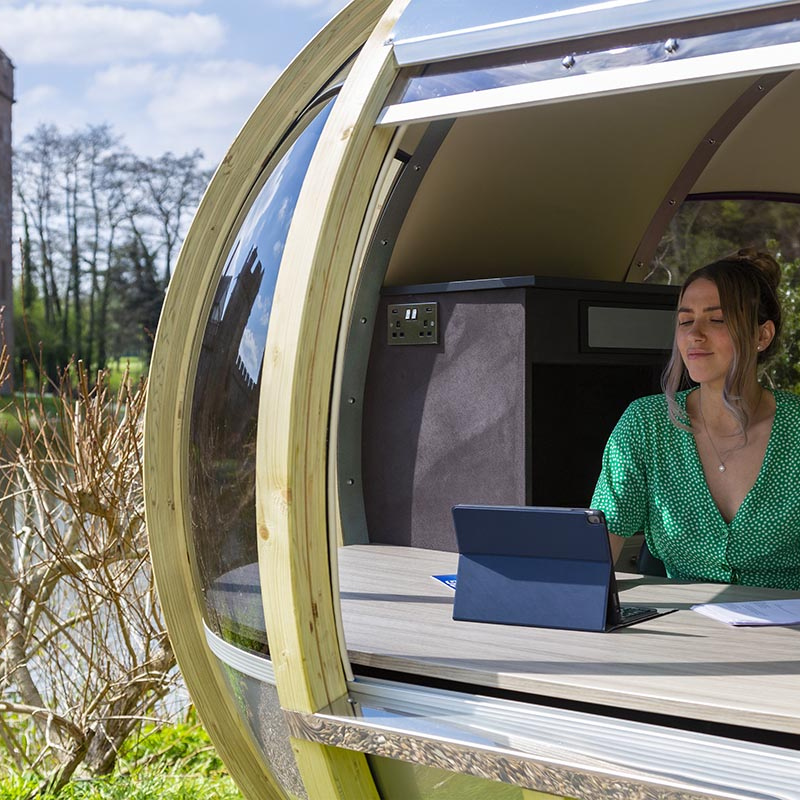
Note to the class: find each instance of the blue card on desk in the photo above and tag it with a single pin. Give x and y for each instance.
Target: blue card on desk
(536, 566)
(447, 580)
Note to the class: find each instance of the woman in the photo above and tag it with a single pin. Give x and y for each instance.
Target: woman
(711, 474)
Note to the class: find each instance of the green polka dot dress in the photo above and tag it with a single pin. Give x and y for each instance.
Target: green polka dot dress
(652, 481)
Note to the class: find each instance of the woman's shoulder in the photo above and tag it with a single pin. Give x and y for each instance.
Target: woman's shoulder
(655, 405)
(789, 401)
(644, 422)
(650, 401)
(649, 413)
(787, 397)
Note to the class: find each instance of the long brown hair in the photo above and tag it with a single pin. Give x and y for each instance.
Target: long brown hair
(747, 282)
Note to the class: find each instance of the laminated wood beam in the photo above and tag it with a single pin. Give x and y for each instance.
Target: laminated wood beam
(172, 377)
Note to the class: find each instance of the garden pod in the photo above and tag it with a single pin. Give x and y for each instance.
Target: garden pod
(428, 272)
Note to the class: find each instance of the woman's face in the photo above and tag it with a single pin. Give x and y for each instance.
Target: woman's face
(702, 336)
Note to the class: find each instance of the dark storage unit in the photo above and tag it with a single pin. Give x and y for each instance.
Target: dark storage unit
(511, 406)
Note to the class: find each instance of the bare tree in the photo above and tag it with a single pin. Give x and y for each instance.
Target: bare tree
(114, 189)
(35, 167)
(85, 656)
(88, 210)
(171, 187)
(101, 152)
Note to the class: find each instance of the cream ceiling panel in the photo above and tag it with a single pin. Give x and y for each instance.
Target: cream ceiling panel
(564, 190)
(763, 152)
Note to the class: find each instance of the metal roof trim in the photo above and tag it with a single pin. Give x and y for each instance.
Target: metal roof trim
(736, 64)
(486, 28)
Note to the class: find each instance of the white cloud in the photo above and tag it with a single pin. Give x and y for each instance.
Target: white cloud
(337, 4)
(283, 211)
(322, 8)
(250, 353)
(165, 74)
(211, 94)
(129, 80)
(46, 104)
(77, 33)
(39, 96)
(201, 104)
(263, 309)
(161, 3)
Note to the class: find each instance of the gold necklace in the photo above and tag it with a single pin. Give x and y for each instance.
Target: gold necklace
(721, 466)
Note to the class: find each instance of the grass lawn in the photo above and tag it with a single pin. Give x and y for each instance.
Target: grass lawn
(136, 365)
(9, 405)
(173, 762)
(9, 420)
(143, 786)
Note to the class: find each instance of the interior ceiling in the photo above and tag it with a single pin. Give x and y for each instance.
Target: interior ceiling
(569, 189)
(762, 153)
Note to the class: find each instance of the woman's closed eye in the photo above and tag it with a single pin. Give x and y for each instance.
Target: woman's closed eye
(684, 322)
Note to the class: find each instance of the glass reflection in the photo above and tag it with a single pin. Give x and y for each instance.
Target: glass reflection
(260, 708)
(225, 408)
(479, 74)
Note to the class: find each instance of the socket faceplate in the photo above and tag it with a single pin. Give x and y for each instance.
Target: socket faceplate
(412, 323)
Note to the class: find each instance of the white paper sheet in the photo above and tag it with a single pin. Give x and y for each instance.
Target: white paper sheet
(760, 612)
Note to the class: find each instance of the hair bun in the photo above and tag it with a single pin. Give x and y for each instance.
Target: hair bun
(763, 262)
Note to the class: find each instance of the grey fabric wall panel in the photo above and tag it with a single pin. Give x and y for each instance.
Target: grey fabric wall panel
(446, 423)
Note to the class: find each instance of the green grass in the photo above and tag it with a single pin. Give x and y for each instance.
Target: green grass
(161, 786)
(174, 762)
(137, 367)
(9, 417)
(9, 405)
(8, 420)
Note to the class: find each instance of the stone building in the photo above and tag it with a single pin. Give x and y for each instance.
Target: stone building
(6, 283)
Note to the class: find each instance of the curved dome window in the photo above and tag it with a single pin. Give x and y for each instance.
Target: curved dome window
(225, 407)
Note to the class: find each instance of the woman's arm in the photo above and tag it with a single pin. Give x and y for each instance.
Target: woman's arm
(621, 490)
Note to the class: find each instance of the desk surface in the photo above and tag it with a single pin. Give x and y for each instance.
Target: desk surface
(397, 617)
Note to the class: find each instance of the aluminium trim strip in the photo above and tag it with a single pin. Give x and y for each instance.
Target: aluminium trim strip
(548, 769)
(250, 664)
(740, 63)
(634, 744)
(562, 25)
(541, 744)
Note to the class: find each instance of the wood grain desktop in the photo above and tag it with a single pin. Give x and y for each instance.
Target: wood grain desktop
(397, 617)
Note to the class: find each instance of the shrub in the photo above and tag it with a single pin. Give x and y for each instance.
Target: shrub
(85, 658)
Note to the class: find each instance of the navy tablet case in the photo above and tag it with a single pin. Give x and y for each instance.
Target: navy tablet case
(543, 567)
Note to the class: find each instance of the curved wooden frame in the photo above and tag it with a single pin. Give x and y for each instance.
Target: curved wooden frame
(172, 375)
(295, 405)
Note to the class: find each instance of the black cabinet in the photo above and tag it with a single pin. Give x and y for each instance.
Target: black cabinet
(512, 405)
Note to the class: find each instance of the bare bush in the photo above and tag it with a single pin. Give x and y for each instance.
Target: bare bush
(85, 656)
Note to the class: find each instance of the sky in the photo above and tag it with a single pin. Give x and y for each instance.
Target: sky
(167, 75)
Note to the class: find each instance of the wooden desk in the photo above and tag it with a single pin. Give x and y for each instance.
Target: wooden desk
(397, 617)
